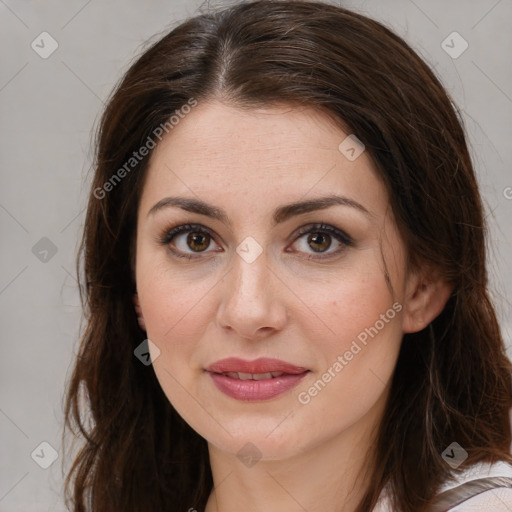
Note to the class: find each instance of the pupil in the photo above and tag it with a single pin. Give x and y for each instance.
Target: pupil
(196, 238)
(317, 239)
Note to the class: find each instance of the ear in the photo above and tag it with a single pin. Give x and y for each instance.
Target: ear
(138, 311)
(426, 296)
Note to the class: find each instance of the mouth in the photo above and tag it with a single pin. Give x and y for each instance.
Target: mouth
(252, 376)
(257, 380)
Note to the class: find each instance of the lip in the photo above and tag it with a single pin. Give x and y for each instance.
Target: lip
(261, 365)
(255, 390)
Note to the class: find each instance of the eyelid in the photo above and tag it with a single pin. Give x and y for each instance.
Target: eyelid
(339, 234)
(170, 233)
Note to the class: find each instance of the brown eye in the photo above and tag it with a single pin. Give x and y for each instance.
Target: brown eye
(198, 241)
(319, 242)
(189, 241)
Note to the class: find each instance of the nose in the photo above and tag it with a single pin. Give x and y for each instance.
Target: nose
(252, 305)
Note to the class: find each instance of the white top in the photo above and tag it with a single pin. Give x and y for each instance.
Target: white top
(493, 500)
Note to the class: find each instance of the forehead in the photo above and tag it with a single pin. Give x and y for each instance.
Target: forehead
(260, 155)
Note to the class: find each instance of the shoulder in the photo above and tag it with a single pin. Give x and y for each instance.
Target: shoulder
(483, 487)
(494, 500)
(478, 471)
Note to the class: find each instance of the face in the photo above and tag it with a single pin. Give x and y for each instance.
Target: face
(317, 287)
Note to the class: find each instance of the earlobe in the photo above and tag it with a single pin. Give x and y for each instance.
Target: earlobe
(425, 300)
(138, 311)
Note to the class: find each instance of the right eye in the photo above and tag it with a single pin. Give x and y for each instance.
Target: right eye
(188, 237)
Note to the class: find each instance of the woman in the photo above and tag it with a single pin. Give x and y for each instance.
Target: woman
(284, 220)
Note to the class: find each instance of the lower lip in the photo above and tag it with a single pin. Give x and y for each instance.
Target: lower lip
(254, 390)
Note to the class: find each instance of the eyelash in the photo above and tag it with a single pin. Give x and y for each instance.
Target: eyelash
(344, 239)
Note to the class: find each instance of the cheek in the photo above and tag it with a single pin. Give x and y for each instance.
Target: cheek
(176, 313)
(359, 346)
(169, 296)
(175, 309)
(346, 304)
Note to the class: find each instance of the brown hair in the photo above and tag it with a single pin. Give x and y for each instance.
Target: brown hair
(452, 381)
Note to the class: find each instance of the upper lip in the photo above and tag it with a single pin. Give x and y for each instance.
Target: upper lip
(261, 365)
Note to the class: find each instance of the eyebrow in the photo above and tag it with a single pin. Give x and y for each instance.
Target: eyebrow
(279, 215)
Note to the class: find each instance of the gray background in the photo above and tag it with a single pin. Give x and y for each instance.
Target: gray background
(48, 108)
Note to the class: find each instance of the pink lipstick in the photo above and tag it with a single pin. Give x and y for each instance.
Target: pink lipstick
(256, 380)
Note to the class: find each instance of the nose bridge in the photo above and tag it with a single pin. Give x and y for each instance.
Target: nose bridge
(249, 276)
(249, 300)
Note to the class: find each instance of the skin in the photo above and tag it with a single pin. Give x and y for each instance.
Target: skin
(290, 303)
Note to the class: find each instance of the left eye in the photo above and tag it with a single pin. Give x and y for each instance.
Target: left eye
(320, 238)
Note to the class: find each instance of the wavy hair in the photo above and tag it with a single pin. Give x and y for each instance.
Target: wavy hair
(452, 381)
